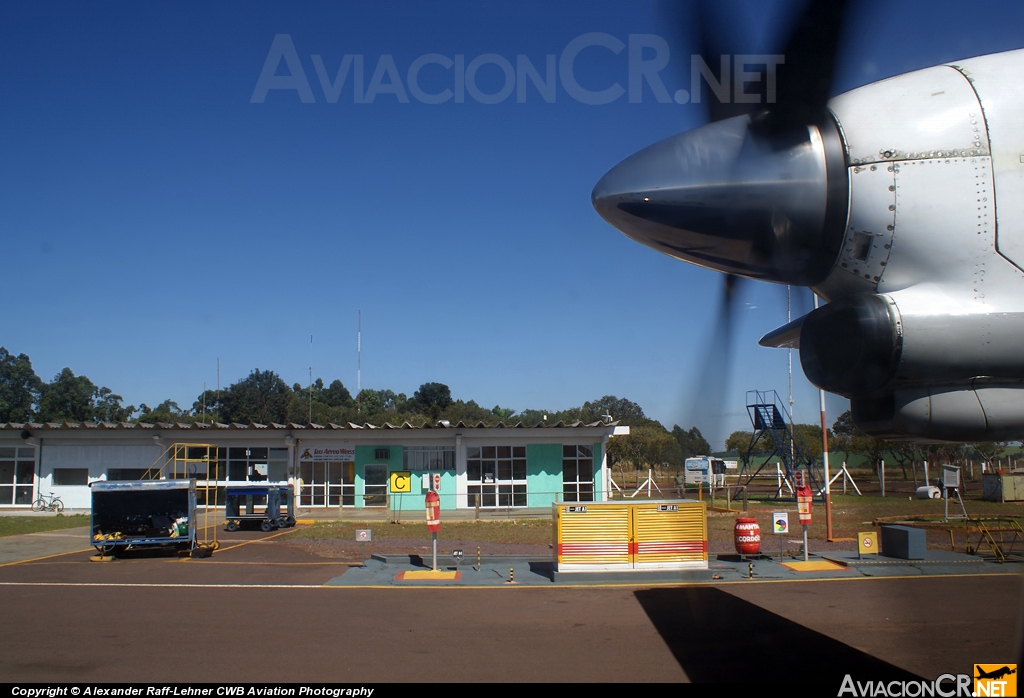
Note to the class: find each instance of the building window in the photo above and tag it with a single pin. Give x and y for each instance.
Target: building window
(577, 474)
(130, 474)
(251, 464)
(70, 476)
(428, 458)
(17, 475)
(496, 476)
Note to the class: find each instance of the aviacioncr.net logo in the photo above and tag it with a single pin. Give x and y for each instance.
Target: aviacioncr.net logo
(946, 686)
(995, 680)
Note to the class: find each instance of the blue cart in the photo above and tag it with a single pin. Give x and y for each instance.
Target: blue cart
(143, 513)
(263, 505)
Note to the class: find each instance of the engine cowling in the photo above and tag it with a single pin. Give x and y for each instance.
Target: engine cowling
(912, 372)
(853, 346)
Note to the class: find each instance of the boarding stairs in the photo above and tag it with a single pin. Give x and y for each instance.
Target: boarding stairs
(773, 424)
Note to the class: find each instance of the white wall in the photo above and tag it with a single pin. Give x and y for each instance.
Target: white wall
(97, 458)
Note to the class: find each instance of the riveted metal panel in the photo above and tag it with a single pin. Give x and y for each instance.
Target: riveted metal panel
(944, 221)
(930, 113)
(996, 80)
(869, 232)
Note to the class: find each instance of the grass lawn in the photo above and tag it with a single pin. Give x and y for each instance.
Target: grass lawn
(15, 525)
(852, 514)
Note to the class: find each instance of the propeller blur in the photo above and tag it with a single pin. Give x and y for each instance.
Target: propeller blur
(901, 203)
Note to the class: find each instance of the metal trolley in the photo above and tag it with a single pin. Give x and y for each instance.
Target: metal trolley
(265, 505)
(140, 513)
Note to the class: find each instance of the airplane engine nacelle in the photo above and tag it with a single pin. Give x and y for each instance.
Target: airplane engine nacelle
(852, 346)
(973, 412)
(912, 371)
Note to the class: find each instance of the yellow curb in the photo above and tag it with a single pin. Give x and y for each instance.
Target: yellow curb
(812, 566)
(428, 574)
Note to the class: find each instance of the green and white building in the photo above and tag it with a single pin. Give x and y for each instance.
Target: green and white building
(330, 465)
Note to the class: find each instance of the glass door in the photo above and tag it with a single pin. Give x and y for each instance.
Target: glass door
(375, 486)
(496, 476)
(17, 475)
(327, 484)
(312, 492)
(343, 485)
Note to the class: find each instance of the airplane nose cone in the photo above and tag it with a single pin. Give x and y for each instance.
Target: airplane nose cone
(725, 197)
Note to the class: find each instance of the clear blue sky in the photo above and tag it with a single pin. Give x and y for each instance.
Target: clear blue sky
(155, 218)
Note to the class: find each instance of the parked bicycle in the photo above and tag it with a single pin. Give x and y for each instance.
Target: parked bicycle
(52, 503)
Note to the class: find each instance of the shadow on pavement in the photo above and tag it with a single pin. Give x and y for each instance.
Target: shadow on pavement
(718, 638)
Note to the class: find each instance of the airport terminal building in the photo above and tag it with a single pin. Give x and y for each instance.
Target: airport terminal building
(349, 465)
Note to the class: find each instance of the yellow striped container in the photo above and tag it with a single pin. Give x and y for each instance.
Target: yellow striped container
(647, 535)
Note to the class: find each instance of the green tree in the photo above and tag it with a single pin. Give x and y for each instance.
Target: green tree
(207, 406)
(621, 410)
(691, 443)
(644, 447)
(987, 451)
(337, 395)
(468, 412)
(534, 417)
(107, 407)
(906, 453)
(739, 441)
(261, 397)
(166, 411)
(810, 436)
(850, 439)
(503, 414)
(370, 403)
(20, 388)
(67, 398)
(432, 398)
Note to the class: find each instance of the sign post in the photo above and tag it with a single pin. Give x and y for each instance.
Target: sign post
(780, 525)
(433, 503)
(866, 545)
(804, 496)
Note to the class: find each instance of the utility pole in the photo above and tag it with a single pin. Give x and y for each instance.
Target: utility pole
(359, 358)
(311, 378)
(824, 458)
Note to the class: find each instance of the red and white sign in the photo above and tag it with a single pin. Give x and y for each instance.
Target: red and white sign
(435, 481)
(433, 503)
(803, 504)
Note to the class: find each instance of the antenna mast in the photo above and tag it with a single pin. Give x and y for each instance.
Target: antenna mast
(311, 378)
(359, 357)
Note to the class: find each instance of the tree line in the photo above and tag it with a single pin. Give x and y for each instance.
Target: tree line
(264, 397)
(846, 439)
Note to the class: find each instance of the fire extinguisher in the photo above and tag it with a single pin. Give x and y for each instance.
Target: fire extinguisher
(433, 512)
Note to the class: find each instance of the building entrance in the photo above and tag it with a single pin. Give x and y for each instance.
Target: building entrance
(327, 484)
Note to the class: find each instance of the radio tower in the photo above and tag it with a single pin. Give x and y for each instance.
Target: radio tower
(359, 358)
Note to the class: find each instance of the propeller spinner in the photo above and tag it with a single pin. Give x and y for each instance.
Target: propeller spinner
(736, 197)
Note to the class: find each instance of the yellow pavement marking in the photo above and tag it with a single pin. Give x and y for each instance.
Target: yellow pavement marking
(428, 574)
(813, 566)
(46, 557)
(255, 540)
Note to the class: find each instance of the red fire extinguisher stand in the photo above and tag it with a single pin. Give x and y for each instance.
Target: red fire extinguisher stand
(433, 503)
